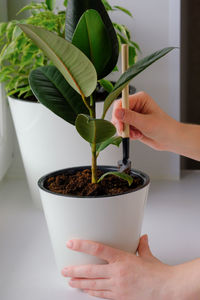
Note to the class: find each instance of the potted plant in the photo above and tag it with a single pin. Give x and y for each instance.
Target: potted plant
(88, 202)
(18, 57)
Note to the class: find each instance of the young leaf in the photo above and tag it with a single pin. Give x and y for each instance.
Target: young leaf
(115, 140)
(123, 176)
(133, 71)
(126, 11)
(51, 89)
(51, 4)
(106, 84)
(75, 9)
(94, 129)
(92, 38)
(71, 62)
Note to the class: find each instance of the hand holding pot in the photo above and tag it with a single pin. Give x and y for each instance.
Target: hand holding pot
(130, 277)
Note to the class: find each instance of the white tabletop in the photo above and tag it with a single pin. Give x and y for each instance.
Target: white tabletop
(27, 267)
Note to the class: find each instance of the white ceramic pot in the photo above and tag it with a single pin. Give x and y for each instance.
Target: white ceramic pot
(113, 220)
(49, 143)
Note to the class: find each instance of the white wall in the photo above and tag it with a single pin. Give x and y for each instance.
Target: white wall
(155, 25)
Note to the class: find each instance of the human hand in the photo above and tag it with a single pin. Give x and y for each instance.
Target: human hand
(126, 276)
(148, 122)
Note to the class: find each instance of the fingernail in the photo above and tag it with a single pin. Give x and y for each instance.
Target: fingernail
(65, 272)
(119, 114)
(70, 244)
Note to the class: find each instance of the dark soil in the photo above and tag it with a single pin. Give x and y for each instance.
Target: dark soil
(79, 184)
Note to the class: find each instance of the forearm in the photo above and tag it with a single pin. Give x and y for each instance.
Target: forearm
(187, 278)
(186, 140)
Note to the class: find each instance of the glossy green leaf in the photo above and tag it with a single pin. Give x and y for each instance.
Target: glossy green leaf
(94, 129)
(107, 85)
(75, 9)
(51, 89)
(115, 140)
(71, 62)
(132, 72)
(123, 176)
(92, 38)
(51, 4)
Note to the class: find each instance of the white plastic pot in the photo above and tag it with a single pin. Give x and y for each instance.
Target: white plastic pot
(6, 135)
(49, 143)
(113, 220)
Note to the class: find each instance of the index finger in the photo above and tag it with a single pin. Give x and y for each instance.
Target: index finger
(99, 250)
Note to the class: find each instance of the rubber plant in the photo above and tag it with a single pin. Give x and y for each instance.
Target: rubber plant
(89, 53)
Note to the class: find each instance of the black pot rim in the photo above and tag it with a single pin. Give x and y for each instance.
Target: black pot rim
(42, 180)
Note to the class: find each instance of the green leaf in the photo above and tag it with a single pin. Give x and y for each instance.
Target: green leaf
(123, 176)
(32, 5)
(132, 55)
(51, 4)
(75, 9)
(3, 27)
(115, 140)
(136, 46)
(70, 61)
(94, 129)
(16, 33)
(108, 7)
(132, 72)
(126, 11)
(107, 85)
(65, 3)
(92, 38)
(51, 89)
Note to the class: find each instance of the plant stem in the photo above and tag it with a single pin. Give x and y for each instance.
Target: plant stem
(87, 105)
(94, 146)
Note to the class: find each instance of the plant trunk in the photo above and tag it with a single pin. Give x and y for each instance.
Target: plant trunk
(94, 164)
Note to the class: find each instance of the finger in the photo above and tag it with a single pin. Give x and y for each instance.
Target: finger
(96, 249)
(100, 294)
(143, 249)
(138, 101)
(131, 117)
(135, 134)
(88, 271)
(91, 284)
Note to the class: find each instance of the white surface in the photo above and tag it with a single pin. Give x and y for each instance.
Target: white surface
(155, 25)
(28, 270)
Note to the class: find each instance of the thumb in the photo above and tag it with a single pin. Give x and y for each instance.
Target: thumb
(143, 249)
(130, 117)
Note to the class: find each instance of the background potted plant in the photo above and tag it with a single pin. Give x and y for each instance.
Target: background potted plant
(34, 124)
(76, 201)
